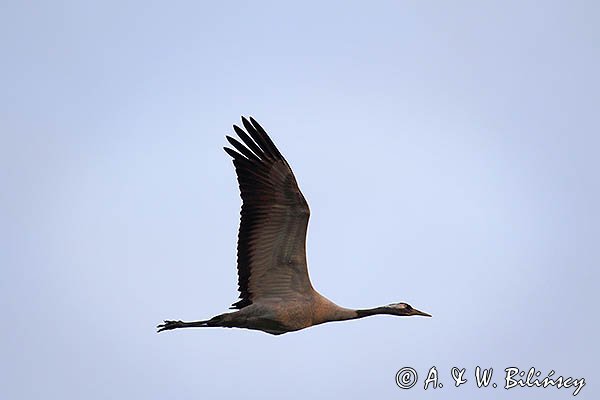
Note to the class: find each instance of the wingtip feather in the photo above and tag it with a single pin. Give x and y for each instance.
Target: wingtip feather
(234, 154)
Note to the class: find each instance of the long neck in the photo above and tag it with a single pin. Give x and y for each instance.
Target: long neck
(372, 311)
(326, 310)
(343, 314)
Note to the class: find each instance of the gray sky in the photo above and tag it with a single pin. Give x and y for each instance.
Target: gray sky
(448, 151)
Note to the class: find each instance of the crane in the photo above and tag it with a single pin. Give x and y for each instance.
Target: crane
(276, 294)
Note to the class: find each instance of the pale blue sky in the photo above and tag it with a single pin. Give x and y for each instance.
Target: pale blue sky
(448, 151)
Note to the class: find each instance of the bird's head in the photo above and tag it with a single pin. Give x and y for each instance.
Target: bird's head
(403, 309)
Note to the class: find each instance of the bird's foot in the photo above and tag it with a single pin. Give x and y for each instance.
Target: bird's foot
(168, 325)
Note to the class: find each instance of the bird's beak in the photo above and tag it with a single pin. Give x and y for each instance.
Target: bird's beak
(417, 312)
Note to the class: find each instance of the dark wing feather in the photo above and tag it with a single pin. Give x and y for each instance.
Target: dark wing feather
(274, 219)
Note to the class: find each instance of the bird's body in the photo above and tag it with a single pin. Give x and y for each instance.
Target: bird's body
(277, 317)
(276, 295)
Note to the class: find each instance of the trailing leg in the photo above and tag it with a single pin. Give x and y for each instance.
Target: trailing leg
(219, 320)
(168, 325)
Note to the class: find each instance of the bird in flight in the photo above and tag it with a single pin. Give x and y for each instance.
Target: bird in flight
(276, 295)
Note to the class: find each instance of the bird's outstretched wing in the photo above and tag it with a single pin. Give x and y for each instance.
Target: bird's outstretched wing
(271, 249)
